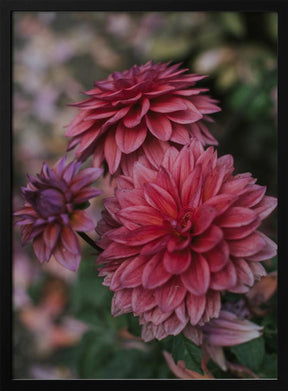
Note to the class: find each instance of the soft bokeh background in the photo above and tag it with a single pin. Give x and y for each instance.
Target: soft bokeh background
(62, 323)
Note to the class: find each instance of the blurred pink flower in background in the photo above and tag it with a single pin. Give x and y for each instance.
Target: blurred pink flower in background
(176, 236)
(137, 112)
(52, 211)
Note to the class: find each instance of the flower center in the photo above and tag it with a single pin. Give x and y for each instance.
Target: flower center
(48, 202)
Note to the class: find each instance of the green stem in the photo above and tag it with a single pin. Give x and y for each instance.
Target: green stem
(89, 241)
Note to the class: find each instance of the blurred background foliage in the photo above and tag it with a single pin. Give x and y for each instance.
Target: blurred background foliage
(62, 323)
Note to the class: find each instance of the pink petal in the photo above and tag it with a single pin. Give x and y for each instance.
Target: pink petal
(236, 217)
(191, 190)
(117, 250)
(180, 134)
(180, 311)
(218, 256)
(68, 260)
(70, 240)
(224, 278)
(142, 174)
(156, 316)
(267, 252)
(222, 202)
(251, 197)
(155, 246)
(197, 277)
(141, 215)
(176, 262)
(167, 104)
(159, 126)
(241, 232)
(206, 241)
(128, 140)
(160, 199)
(112, 152)
(121, 302)
(185, 116)
(170, 295)
(204, 217)
(173, 326)
(80, 221)
(195, 305)
(142, 235)
(213, 183)
(154, 273)
(213, 305)
(40, 249)
(50, 236)
(165, 180)
(265, 206)
(136, 113)
(248, 246)
(132, 275)
(154, 150)
(244, 273)
(142, 300)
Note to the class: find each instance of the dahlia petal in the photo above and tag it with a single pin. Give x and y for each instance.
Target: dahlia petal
(86, 141)
(65, 258)
(191, 190)
(235, 186)
(241, 232)
(159, 126)
(169, 159)
(183, 165)
(252, 197)
(79, 128)
(130, 139)
(217, 355)
(176, 262)
(154, 150)
(142, 174)
(194, 334)
(218, 257)
(70, 240)
(222, 202)
(51, 235)
(142, 300)
(257, 269)
(213, 183)
(142, 235)
(112, 152)
(154, 273)
(80, 221)
(165, 180)
(167, 104)
(159, 90)
(115, 283)
(121, 302)
(180, 311)
(116, 251)
(142, 215)
(136, 113)
(248, 246)
(205, 104)
(132, 274)
(170, 295)
(213, 305)
(154, 246)
(113, 120)
(204, 217)
(127, 197)
(40, 249)
(177, 243)
(265, 207)
(85, 195)
(195, 305)
(244, 273)
(224, 278)
(267, 252)
(173, 326)
(99, 113)
(160, 199)
(206, 241)
(156, 316)
(191, 114)
(179, 134)
(236, 217)
(197, 277)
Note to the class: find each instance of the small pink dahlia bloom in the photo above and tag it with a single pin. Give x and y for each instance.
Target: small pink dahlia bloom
(138, 111)
(176, 236)
(53, 211)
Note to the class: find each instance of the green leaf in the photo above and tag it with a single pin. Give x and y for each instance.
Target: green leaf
(250, 354)
(268, 368)
(186, 350)
(82, 206)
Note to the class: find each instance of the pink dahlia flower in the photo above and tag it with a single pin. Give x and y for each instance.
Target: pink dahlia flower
(227, 330)
(176, 236)
(139, 111)
(53, 211)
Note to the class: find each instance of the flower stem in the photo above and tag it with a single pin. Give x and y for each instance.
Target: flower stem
(89, 241)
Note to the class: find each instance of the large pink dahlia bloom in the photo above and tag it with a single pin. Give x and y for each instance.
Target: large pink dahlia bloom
(52, 211)
(138, 111)
(176, 236)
